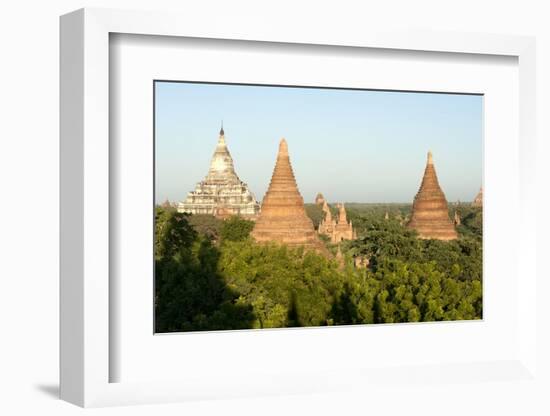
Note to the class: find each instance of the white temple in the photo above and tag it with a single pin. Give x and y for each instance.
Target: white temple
(221, 193)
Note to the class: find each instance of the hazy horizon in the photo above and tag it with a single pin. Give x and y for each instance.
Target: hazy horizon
(354, 146)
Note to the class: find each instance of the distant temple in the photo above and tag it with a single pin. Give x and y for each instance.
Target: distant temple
(457, 220)
(283, 218)
(167, 204)
(478, 201)
(221, 193)
(336, 230)
(319, 199)
(430, 212)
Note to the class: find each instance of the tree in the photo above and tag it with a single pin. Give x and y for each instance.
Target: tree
(286, 287)
(471, 222)
(408, 292)
(206, 225)
(236, 229)
(389, 240)
(190, 294)
(315, 213)
(172, 233)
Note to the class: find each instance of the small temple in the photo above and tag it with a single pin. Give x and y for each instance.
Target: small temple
(457, 219)
(337, 230)
(221, 193)
(167, 204)
(319, 199)
(430, 212)
(478, 200)
(283, 217)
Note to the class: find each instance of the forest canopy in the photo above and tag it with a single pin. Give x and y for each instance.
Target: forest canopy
(211, 275)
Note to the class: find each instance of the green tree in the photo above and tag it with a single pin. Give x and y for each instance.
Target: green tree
(408, 292)
(206, 225)
(236, 229)
(286, 287)
(172, 233)
(315, 213)
(189, 292)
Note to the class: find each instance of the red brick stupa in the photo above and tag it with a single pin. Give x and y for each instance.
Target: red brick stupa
(430, 213)
(283, 218)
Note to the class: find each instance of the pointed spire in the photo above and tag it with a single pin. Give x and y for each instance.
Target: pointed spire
(283, 147)
(342, 216)
(222, 133)
(221, 165)
(429, 180)
(326, 210)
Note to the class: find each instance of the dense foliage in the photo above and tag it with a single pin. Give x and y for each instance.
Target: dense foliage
(190, 294)
(206, 225)
(211, 275)
(388, 240)
(236, 229)
(471, 221)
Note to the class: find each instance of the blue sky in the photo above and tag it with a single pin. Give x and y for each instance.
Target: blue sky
(351, 145)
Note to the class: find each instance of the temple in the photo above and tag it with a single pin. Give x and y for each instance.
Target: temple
(167, 204)
(430, 212)
(319, 199)
(337, 230)
(457, 220)
(283, 218)
(221, 193)
(478, 201)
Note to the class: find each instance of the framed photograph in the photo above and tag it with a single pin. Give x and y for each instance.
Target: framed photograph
(225, 261)
(273, 213)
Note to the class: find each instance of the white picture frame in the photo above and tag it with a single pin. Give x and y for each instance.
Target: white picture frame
(85, 217)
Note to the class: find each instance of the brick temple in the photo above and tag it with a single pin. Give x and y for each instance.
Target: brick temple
(430, 212)
(478, 200)
(337, 229)
(283, 218)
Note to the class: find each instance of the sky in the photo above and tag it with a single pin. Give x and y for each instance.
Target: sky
(350, 145)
